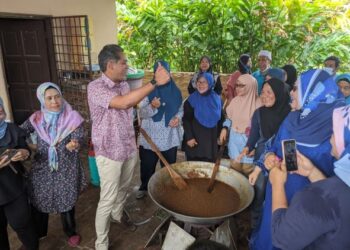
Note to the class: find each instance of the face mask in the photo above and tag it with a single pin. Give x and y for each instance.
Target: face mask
(328, 70)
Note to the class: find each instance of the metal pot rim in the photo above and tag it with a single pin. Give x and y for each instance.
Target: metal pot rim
(206, 166)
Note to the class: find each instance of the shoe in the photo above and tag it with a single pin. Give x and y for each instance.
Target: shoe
(140, 194)
(126, 222)
(74, 240)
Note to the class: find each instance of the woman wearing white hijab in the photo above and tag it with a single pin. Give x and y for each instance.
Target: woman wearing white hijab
(57, 176)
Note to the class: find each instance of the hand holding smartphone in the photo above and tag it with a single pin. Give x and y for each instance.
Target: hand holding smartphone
(9, 153)
(290, 154)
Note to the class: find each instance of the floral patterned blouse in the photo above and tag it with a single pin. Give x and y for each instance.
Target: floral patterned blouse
(55, 191)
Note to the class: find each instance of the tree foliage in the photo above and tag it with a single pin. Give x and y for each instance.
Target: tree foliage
(302, 32)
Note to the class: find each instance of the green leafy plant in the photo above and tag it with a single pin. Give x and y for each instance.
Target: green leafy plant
(302, 32)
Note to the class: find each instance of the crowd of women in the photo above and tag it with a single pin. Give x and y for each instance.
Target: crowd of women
(257, 112)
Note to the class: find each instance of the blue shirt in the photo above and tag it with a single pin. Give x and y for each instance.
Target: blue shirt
(236, 143)
(347, 100)
(260, 78)
(318, 218)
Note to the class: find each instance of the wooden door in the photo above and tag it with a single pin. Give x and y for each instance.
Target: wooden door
(25, 53)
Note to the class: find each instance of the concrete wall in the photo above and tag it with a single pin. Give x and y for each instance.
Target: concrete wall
(101, 14)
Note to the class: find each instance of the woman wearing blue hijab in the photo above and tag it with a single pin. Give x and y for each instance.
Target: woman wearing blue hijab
(314, 98)
(202, 121)
(343, 82)
(317, 217)
(161, 113)
(205, 66)
(277, 73)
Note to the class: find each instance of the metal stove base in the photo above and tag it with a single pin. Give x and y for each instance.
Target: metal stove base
(225, 233)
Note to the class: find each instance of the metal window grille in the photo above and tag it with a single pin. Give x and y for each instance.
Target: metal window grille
(73, 61)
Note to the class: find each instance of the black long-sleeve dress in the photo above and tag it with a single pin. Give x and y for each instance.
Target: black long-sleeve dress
(256, 139)
(14, 205)
(207, 147)
(12, 184)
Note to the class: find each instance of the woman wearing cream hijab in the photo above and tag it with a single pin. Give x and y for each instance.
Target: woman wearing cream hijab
(239, 114)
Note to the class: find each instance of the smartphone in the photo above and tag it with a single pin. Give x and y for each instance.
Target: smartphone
(290, 154)
(9, 153)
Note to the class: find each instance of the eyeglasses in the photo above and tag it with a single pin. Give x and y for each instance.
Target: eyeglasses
(201, 82)
(295, 88)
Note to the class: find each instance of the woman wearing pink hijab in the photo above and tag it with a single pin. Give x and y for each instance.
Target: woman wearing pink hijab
(239, 114)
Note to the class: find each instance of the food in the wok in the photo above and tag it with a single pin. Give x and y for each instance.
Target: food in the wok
(196, 201)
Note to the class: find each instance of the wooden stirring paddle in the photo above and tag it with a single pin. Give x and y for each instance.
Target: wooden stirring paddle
(216, 168)
(178, 180)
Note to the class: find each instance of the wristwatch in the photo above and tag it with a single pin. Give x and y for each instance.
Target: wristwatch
(153, 82)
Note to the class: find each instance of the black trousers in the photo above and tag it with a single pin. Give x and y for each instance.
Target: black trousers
(42, 221)
(17, 215)
(257, 205)
(149, 161)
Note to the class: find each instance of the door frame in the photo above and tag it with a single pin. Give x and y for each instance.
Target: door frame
(50, 51)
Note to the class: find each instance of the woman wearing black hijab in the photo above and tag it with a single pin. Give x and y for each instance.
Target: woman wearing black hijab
(291, 75)
(266, 121)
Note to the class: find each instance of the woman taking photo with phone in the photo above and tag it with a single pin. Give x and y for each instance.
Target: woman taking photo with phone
(14, 206)
(314, 97)
(318, 216)
(56, 178)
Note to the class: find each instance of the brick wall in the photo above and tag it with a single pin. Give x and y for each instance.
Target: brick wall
(182, 79)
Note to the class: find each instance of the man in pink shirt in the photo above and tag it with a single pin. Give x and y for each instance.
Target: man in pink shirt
(110, 102)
